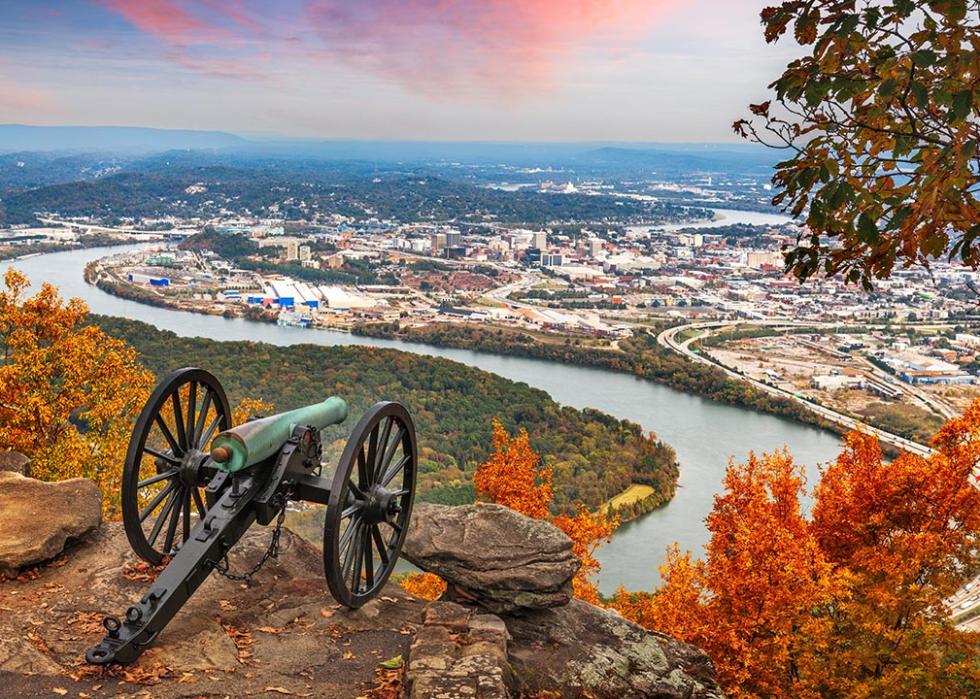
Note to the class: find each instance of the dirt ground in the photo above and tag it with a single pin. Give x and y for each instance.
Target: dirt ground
(285, 636)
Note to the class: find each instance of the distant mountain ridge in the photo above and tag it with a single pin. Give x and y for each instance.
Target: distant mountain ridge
(110, 139)
(139, 140)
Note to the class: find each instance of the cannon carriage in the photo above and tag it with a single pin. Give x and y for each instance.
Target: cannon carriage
(193, 484)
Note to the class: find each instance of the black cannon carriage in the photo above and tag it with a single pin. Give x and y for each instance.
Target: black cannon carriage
(193, 484)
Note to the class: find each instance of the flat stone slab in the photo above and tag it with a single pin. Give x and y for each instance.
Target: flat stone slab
(40, 517)
(493, 556)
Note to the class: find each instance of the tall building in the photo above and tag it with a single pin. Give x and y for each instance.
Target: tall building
(540, 240)
(452, 239)
(595, 246)
(305, 253)
(438, 243)
(292, 250)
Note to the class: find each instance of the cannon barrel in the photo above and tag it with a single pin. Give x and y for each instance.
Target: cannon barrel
(255, 441)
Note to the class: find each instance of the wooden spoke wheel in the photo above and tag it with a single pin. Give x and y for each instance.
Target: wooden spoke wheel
(370, 504)
(168, 462)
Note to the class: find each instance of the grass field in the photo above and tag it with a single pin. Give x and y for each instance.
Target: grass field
(634, 493)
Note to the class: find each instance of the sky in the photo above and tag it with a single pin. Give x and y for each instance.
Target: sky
(484, 70)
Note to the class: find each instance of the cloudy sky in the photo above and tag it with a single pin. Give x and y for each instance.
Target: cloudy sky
(556, 70)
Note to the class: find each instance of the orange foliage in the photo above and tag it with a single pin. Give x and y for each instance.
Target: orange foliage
(250, 408)
(427, 586)
(586, 530)
(848, 603)
(513, 477)
(69, 394)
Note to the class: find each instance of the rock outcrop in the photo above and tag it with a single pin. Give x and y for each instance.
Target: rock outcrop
(583, 650)
(39, 518)
(286, 636)
(493, 556)
(15, 462)
(496, 560)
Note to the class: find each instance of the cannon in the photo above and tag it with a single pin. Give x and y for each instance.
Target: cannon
(193, 484)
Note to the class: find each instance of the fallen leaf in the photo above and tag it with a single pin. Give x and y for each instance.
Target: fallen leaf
(389, 599)
(392, 663)
(348, 655)
(283, 690)
(326, 613)
(60, 690)
(269, 629)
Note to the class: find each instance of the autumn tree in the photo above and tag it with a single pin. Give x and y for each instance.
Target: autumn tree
(69, 393)
(879, 122)
(514, 477)
(849, 603)
(749, 600)
(901, 537)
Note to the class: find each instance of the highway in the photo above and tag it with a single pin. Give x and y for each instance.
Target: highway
(668, 338)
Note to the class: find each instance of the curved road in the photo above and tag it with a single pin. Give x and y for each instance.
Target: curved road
(668, 338)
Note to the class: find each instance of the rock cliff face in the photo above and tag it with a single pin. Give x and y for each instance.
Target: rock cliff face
(496, 560)
(512, 630)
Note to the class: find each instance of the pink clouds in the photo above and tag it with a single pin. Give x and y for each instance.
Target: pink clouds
(438, 47)
(514, 47)
(20, 99)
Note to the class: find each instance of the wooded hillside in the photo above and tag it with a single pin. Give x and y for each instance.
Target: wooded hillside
(594, 456)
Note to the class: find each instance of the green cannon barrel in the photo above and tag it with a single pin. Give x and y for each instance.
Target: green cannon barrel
(255, 441)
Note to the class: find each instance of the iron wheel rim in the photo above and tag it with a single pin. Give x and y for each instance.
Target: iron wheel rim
(180, 425)
(370, 504)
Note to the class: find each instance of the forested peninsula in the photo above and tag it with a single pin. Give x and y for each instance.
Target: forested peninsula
(594, 456)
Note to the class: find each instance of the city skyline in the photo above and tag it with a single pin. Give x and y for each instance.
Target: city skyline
(667, 70)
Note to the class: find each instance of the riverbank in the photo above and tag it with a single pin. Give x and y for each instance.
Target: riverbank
(637, 355)
(85, 242)
(641, 356)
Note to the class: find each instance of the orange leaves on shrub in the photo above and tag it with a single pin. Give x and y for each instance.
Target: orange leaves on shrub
(69, 394)
(513, 477)
(848, 603)
(427, 586)
(250, 408)
(586, 530)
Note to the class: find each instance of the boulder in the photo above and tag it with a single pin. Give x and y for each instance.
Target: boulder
(583, 650)
(16, 462)
(39, 517)
(492, 556)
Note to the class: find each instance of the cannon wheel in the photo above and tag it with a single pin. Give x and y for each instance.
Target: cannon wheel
(370, 504)
(168, 462)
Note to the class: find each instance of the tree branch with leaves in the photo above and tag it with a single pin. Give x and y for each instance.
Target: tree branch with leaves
(879, 124)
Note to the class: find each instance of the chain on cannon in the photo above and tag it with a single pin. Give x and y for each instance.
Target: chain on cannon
(193, 485)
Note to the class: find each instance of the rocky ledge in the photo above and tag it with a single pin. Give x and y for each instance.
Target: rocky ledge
(495, 560)
(510, 627)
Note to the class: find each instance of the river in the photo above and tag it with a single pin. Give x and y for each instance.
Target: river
(704, 433)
